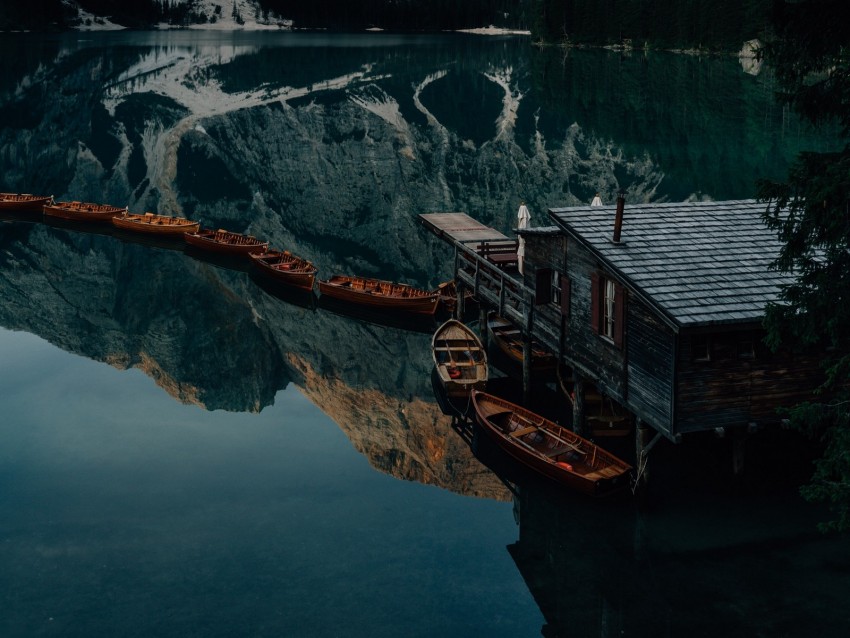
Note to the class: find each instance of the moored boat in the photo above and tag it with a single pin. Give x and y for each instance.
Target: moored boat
(376, 293)
(285, 268)
(548, 448)
(23, 202)
(225, 242)
(82, 211)
(508, 338)
(153, 224)
(460, 359)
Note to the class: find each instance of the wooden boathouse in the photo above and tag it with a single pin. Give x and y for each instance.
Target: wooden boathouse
(655, 307)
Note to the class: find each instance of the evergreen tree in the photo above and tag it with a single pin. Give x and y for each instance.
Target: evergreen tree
(811, 213)
(718, 25)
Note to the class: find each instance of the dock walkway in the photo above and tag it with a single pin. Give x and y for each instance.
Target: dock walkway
(460, 228)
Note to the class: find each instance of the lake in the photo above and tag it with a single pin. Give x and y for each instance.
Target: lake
(184, 451)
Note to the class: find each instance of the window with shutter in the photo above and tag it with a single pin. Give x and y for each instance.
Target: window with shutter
(608, 308)
(555, 287)
(549, 287)
(619, 329)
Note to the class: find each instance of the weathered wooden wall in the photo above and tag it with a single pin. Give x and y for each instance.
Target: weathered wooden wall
(545, 252)
(654, 373)
(590, 351)
(650, 355)
(730, 391)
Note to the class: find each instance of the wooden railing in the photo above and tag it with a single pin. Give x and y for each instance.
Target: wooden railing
(500, 289)
(502, 253)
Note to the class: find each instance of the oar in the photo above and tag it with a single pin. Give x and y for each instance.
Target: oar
(572, 446)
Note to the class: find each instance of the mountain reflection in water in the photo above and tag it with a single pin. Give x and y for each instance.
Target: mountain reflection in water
(210, 336)
(329, 146)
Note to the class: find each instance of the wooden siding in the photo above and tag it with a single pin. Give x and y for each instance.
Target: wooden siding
(730, 391)
(545, 252)
(650, 355)
(603, 361)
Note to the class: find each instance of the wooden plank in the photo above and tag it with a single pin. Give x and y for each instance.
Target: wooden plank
(460, 228)
(522, 432)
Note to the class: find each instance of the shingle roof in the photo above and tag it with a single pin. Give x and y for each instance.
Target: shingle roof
(700, 263)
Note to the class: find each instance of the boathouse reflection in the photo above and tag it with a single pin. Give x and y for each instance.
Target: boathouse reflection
(708, 562)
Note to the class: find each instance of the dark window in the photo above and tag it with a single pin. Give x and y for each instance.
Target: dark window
(549, 287)
(746, 348)
(543, 286)
(555, 286)
(701, 348)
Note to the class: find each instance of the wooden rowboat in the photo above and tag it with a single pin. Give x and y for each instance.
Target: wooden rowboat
(285, 268)
(548, 448)
(460, 359)
(83, 211)
(154, 224)
(225, 242)
(508, 338)
(375, 293)
(24, 202)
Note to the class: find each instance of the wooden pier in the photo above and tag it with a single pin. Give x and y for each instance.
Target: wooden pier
(460, 228)
(485, 262)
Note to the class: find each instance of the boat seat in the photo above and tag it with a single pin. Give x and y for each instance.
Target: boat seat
(524, 431)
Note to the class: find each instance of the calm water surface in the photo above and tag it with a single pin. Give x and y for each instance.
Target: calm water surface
(186, 452)
(127, 513)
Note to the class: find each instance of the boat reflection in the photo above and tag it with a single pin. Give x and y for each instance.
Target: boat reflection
(288, 294)
(414, 322)
(219, 339)
(238, 263)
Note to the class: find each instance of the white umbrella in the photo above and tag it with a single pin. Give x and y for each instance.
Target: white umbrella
(597, 201)
(523, 219)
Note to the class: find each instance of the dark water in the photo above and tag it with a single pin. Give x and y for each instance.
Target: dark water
(185, 452)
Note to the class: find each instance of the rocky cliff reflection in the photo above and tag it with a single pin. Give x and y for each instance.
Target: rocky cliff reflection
(212, 337)
(331, 144)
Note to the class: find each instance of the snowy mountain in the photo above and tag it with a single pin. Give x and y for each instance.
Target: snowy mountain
(230, 15)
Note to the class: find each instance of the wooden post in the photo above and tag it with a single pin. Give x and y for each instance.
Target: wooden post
(642, 436)
(459, 306)
(527, 319)
(526, 368)
(739, 438)
(578, 403)
(502, 296)
(482, 326)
